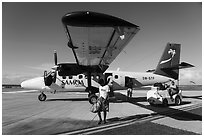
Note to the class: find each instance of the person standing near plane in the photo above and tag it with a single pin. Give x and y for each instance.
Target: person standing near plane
(129, 90)
(103, 98)
(173, 89)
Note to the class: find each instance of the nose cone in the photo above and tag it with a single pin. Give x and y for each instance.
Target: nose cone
(23, 84)
(36, 83)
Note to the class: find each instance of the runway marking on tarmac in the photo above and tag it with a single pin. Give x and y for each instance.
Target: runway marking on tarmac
(130, 122)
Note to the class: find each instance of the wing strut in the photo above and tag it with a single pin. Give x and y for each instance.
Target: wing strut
(70, 44)
(108, 45)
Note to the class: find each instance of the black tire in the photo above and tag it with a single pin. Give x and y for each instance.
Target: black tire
(151, 104)
(165, 102)
(92, 99)
(177, 100)
(42, 97)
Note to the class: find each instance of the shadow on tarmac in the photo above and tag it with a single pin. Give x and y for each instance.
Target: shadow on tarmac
(128, 118)
(195, 97)
(159, 109)
(69, 99)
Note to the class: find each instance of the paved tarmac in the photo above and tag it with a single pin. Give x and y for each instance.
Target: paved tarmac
(23, 114)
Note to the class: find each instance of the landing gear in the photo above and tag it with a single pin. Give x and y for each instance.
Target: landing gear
(92, 98)
(91, 90)
(42, 97)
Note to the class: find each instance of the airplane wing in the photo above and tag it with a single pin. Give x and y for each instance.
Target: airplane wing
(96, 39)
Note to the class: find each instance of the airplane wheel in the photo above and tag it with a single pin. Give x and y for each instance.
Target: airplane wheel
(42, 97)
(151, 104)
(92, 99)
(165, 102)
(177, 100)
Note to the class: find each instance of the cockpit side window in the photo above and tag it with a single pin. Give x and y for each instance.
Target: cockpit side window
(51, 73)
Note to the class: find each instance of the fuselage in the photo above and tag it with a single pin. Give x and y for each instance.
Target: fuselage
(140, 79)
(117, 79)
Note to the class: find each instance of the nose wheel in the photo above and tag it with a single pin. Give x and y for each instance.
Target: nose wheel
(42, 97)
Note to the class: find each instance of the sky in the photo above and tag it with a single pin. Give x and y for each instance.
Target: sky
(32, 31)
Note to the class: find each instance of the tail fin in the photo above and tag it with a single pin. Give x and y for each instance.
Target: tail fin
(169, 63)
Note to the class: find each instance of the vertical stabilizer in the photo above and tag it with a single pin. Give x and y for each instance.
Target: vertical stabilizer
(169, 62)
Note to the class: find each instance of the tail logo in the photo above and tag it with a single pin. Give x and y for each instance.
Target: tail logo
(172, 53)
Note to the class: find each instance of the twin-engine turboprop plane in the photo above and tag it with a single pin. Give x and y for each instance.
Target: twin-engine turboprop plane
(96, 39)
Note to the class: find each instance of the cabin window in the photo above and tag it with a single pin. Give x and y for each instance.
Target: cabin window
(70, 77)
(64, 77)
(97, 77)
(116, 76)
(80, 76)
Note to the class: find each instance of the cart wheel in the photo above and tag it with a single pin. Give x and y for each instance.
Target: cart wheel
(177, 100)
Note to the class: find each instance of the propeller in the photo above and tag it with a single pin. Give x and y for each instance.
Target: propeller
(55, 67)
(55, 57)
(51, 78)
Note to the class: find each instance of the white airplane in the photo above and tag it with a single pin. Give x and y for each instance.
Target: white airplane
(96, 39)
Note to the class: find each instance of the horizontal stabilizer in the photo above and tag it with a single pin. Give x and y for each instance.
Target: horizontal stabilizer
(185, 65)
(150, 70)
(182, 65)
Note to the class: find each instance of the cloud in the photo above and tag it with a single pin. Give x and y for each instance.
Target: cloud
(17, 78)
(45, 66)
(188, 75)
